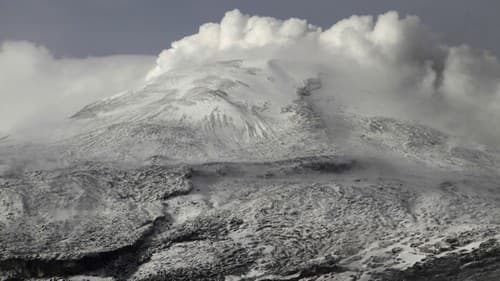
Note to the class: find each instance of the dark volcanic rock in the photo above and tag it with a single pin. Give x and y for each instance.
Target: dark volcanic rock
(74, 220)
(482, 264)
(313, 218)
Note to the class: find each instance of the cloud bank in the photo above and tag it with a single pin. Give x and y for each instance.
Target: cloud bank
(388, 65)
(37, 89)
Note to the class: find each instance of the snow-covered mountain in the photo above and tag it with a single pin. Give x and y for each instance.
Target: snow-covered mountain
(255, 169)
(245, 170)
(250, 111)
(215, 111)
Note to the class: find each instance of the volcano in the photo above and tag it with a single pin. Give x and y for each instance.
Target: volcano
(247, 169)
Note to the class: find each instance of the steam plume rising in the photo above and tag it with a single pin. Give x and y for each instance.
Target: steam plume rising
(389, 65)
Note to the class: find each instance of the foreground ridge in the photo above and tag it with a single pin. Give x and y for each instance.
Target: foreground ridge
(327, 217)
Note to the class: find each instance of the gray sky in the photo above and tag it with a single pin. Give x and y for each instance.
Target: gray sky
(104, 27)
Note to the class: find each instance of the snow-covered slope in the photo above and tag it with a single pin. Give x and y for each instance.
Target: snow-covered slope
(246, 170)
(250, 110)
(205, 112)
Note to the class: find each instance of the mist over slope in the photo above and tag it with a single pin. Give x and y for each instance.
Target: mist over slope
(252, 110)
(38, 91)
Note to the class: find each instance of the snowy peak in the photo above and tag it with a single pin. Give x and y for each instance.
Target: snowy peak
(228, 105)
(226, 93)
(253, 110)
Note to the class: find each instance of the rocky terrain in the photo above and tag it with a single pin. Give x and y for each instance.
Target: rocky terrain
(235, 171)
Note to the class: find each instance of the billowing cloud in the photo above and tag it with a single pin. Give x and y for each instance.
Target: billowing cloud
(37, 89)
(388, 65)
(389, 39)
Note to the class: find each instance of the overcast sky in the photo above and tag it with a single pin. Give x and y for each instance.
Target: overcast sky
(104, 27)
